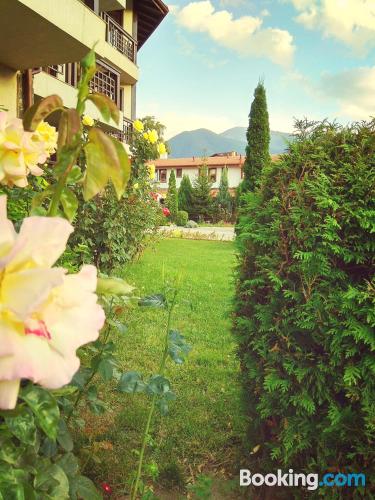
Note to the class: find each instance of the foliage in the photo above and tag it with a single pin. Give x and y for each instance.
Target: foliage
(202, 204)
(258, 140)
(223, 199)
(305, 303)
(171, 199)
(182, 218)
(185, 194)
(36, 459)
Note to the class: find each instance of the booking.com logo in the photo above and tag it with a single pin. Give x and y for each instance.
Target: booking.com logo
(309, 481)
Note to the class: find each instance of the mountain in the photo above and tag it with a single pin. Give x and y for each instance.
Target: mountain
(204, 142)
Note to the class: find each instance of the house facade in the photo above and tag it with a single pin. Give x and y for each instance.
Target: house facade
(42, 42)
(191, 166)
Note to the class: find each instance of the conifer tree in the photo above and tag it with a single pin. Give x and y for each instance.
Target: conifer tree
(202, 207)
(258, 140)
(185, 194)
(171, 199)
(223, 198)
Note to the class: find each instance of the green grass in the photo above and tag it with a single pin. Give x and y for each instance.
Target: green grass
(204, 430)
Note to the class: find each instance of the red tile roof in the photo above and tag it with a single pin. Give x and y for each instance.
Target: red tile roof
(211, 161)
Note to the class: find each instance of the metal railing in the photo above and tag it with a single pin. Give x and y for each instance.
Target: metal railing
(119, 38)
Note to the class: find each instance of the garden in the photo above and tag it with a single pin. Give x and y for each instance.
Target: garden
(143, 367)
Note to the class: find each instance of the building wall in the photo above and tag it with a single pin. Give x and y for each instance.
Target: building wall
(234, 176)
(8, 89)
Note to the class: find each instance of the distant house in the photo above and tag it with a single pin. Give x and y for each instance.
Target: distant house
(190, 167)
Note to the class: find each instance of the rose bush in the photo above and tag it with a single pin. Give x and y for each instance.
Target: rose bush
(45, 314)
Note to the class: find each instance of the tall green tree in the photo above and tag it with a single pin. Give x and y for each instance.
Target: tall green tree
(223, 198)
(171, 200)
(185, 194)
(258, 140)
(203, 206)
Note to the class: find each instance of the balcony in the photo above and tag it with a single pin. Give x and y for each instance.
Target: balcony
(28, 26)
(119, 38)
(125, 134)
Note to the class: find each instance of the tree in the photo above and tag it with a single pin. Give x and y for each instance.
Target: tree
(185, 194)
(171, 199)
(258, 140)
(223, 198)
(202, 207)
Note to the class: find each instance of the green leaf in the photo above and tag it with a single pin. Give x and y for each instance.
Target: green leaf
(74, 175)
(82, 487)
(40, 110)
(113, 286)
(106, 106)
(44, 407)
(178, 349)
(69, 202)
(69, 464)
(156, 300)
(120, 176)
(105, 369)
(53, 481)
(21, 424)
(69, 128)
(158, 385)
(64, 437)
(9, 452)
(131, 382)
(120, 327)
(101, 154)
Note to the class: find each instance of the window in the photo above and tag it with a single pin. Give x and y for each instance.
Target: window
(162, 175)
(178, 172)
(212, 174)
(107, 81)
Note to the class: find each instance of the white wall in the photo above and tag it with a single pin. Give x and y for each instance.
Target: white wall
(234, 176)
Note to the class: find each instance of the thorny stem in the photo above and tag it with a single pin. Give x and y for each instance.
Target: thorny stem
(153, 401)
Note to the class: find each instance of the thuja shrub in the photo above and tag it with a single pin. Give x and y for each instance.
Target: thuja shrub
(304, 311)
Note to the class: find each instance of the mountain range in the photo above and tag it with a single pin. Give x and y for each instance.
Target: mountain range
(204, 142)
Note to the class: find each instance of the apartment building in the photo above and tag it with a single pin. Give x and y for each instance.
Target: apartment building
(42, 42)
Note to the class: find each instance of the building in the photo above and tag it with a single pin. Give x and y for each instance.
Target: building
(190, 167)
(42, 42)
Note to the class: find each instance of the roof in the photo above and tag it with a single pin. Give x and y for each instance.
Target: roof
(211, 161)
(150, 14)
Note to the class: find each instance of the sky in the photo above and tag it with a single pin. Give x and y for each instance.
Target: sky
(316, 58)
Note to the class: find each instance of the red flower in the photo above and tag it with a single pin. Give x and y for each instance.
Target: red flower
(107, 488)
(166, 212)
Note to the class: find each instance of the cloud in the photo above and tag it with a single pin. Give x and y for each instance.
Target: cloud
(353, 90)
(352, 22)
(243, 35)
(232, 3)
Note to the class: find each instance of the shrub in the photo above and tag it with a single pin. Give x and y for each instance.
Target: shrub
(185, 194)
(304, 306)
(181, 218)
(191, 223)
(171, 199)
(202, 206)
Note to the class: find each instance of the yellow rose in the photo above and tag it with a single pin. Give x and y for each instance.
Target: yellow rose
(145, 136)
(138, 126)
(88, 121)
(162, 149)
(151, 171)
(46, 134)
(153, 136)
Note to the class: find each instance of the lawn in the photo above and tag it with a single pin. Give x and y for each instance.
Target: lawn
(204, 431)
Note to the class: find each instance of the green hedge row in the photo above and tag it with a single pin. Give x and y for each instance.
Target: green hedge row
(305, 304)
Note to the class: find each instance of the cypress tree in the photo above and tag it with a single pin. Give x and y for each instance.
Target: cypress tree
(202, 207)
(171, 200)
(185, 194)
(223, 198)
(258, 140)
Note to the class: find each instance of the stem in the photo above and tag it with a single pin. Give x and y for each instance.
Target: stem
(153, 401)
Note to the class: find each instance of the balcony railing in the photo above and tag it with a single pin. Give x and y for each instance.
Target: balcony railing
(119, 38)
(124, 135)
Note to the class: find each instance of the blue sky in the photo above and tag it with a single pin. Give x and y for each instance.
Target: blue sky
(200, 68)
